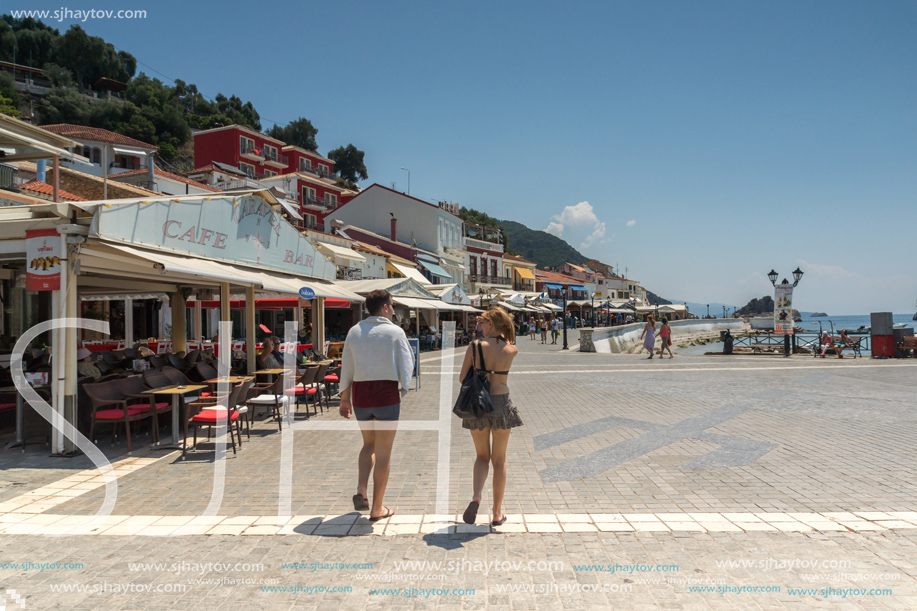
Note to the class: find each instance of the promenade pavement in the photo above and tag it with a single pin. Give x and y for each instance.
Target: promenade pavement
(679, 483)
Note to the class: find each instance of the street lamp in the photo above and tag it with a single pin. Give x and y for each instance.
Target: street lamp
(797, 276)
(409, 179)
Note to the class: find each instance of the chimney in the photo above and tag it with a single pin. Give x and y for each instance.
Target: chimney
(394, 228)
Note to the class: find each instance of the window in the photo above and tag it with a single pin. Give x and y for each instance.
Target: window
(493, 268)
(323, 170)
(309, 221)
(97, 157)
(246, 145)
(305, 165)
(248, 168)
(269, 173)
(331, 200)
(270, 152)
(473, 265)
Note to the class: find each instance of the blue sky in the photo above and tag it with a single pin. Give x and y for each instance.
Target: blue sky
(710, 141)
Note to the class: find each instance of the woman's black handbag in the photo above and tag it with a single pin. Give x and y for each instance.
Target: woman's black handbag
(474, 398)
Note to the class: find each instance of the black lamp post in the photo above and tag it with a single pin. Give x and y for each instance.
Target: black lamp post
(797, 276)
(563, 292)
(708, 310)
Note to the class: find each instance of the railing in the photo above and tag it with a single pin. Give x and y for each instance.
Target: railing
(319, 171)
(479, 279)
(483, 244)
(525, 287)
(274, 158)
(315, 203)
(237, 183)
(348, 273)
(249, 149)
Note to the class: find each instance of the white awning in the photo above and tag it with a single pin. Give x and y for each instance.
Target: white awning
(233, 274)
(11, 138)
(410, 272)
(126, 151)
(340, 251)
(423, 304)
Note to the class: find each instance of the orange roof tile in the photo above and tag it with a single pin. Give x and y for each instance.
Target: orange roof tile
(95, 133)
(37, 186)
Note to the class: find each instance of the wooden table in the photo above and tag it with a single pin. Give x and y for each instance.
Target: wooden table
(272, 371)
(229, 380)
(176, 392)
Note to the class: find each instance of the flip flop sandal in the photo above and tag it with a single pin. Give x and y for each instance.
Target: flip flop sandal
(471, 512)
(499, 522)
(389, 514)
(360, 502)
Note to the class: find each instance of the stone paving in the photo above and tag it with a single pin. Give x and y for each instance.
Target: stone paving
(745, 472)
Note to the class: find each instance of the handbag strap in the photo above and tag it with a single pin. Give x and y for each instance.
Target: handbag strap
(480, 352)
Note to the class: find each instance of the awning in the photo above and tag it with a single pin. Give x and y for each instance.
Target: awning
(10, 138)
(340, 251)
(132, 152)
(423, 304)
(436, 270)
(553, 285)
(577, 287)
(509, 306)
(291, 210)
(524, 272)
(270, 304)
(428, 258)
(233, 274)
(409, 272)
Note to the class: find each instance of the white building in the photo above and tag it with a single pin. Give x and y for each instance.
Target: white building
(412, 221)
(116, 152)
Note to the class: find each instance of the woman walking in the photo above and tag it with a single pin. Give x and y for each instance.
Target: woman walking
(532, 328)
(649, 335)
(665, 338)
(490, 433)
(544, 330)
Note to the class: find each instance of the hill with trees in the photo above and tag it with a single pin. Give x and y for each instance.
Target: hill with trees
(151, 110)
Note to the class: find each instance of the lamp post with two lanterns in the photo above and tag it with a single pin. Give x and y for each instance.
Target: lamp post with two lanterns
(797, 276)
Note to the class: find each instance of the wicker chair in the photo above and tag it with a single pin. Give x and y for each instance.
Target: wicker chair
(121, 409)
(210, 414)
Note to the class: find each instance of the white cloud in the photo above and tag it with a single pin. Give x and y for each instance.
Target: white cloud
(580, 222)
(631, 223)
(597, 234)
(555, 229)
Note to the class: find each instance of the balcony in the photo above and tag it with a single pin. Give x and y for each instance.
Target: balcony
(348, 273)
(238, 183)
(491, 280)
(248, 150)
(272, 159)
(311, 203)
(491, 246)
(524, 287)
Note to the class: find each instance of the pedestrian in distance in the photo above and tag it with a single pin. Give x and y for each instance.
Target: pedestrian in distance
(376, 369)
(555, 328)
(544, 330)
(490, 433)
(532, 326)
(649, 335)
(665, 338)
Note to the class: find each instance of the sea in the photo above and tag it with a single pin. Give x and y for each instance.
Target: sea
(832, 324)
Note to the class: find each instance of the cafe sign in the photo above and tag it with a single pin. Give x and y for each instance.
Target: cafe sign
(243, 230)
(43, 257)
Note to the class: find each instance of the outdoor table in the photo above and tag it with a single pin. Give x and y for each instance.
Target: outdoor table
(229, 380)
(176, 392)
(271, 371)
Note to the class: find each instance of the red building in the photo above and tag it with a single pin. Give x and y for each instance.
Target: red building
(305, 176)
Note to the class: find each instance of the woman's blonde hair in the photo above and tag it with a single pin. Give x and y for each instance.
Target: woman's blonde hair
(502, 322)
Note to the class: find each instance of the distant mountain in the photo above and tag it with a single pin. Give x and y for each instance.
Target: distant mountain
(655, 299)
(765, 305)
(540, 247)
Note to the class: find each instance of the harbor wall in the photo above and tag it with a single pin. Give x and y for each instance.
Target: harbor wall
(625, 338)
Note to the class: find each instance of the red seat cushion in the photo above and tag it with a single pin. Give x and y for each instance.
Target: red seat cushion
(299, 391)
(145, 407)
(211, 416)
(6, 406)
(117, 414)
(332, 377)
(205, 394)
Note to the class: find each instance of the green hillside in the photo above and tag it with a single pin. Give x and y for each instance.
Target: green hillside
(540, 247)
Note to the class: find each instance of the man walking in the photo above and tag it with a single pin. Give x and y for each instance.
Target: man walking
(555, 327)
(376, 370)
